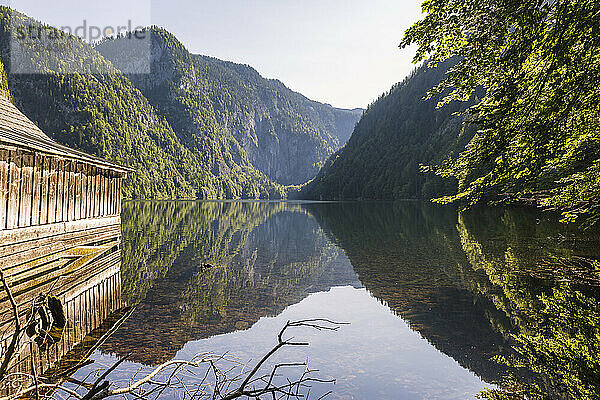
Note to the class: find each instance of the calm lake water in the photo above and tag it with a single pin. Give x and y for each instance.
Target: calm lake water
(430, 294)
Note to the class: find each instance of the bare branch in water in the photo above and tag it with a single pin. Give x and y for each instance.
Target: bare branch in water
(214, 383)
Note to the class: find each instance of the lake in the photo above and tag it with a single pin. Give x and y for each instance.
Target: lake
(430, 295)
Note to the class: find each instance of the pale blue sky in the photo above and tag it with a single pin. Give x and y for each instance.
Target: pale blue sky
(342, 52)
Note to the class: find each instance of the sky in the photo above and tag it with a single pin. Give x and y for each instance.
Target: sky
(341, 52)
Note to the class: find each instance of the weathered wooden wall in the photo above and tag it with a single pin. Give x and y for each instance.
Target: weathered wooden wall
(60, 230)
(38, 189)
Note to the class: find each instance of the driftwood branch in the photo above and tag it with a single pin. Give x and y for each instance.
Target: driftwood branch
(316, 323)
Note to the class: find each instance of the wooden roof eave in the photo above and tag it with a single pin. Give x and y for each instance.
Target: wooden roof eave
(46, 145)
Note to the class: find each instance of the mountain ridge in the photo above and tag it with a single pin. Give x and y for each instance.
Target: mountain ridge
(284, 134)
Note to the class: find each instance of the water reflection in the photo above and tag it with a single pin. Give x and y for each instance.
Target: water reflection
(445, 291)
(213, 268)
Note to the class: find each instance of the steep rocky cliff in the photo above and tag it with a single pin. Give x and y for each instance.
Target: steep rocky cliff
(260, 121)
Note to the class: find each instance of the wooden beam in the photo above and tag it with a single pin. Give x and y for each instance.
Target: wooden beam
(36, 194)
(25, 195)
(44, 188)
(14, 185)
(4, 186)
(60, 190)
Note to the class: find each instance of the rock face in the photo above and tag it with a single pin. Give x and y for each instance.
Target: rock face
(260, 121)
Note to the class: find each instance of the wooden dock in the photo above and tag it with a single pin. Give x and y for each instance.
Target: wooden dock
(60, 232)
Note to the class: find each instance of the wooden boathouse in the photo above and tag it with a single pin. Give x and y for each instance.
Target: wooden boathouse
(59, 239)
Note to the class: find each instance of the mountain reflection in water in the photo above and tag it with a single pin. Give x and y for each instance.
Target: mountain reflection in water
(431, 294)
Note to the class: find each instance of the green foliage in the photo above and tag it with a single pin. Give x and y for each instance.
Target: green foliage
(504, 291)
(4, 82)
(539, 129)
(396, 135)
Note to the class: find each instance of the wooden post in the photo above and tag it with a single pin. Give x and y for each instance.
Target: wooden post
(76, 214)
(36, 194)
(4, 182)
(12, 220)
(52, 189)
(60, 190)
(26, 190)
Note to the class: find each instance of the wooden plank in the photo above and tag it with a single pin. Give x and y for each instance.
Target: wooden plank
(106, 193)
(67, 190)
(53, 178)
(44, 186)
(103, 194)
(88, 192)
(118, 195)
(88, 266)
(12, 219)
(70, 216)
(30, 237)
(92, 192)
(4, 162)
(60, 267)
(75, 278)
(65, 194)
(83, 202)
(60, 190)
(90, 184)
(26, 190)
(97, 192)
(115, 194)
(111, 195)
(36, 194)
(76, 214)
(100, 193)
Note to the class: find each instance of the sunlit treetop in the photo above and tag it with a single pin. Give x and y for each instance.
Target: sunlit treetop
(539, 62)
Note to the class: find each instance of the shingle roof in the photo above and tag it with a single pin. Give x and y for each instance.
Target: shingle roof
(18, 130)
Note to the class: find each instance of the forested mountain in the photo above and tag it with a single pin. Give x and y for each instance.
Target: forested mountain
(102, 113)
(191, 137)
(396, 135)
(3, 81)
(230, 109)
